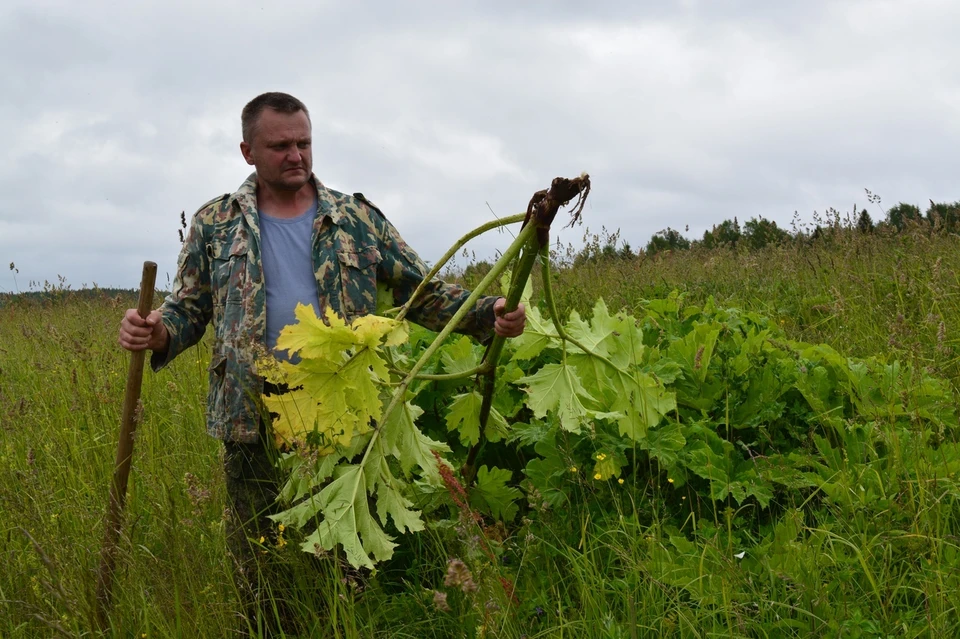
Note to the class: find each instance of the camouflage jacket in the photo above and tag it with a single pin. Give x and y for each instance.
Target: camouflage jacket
(220, 279)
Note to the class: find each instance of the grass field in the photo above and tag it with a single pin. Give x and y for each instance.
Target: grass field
(883, 565)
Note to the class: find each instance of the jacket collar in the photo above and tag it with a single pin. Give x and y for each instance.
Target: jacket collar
(246, 199)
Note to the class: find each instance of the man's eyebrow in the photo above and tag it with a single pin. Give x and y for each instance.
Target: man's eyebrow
(288, 141)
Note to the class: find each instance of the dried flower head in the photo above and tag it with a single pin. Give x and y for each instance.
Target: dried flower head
(458, 575)
(440, 601)
(197, 493)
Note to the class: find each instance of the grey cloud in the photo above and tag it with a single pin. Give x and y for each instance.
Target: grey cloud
(685, 113)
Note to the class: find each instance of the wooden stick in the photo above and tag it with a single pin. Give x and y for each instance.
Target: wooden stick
(121, 472)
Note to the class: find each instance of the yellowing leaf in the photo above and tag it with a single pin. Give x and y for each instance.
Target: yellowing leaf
(311, 338)
(300, 417)
(369, 330)
(340, 375)
(334, 404)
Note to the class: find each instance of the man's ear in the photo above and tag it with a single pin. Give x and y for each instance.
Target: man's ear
(246, 151)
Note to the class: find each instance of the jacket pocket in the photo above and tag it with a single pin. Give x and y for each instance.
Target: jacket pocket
(358, 279)
(228, 277)
(215, 393)
(228, 267)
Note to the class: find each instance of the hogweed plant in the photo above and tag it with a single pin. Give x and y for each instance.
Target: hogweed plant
(359, 415)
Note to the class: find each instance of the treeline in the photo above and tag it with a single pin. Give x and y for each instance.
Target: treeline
(759, 232)
(51, 293)
(754, 234)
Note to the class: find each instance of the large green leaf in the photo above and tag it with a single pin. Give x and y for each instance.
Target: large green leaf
(643, 402)
(347, 521)
(556, 388)
(459, 357)
(463, 415)
(494, 495)
(699, 387)
(665, 443)
(401, 438)
(537, 335)
(392, 502)
(550, 472)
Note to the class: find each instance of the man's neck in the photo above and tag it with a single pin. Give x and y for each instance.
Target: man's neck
(285, 204)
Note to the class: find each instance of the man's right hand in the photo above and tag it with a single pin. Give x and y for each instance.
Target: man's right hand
(137, 334)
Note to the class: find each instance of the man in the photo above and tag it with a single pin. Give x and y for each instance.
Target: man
(248, 259)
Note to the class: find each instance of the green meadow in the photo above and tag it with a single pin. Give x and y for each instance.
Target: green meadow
(805, 484)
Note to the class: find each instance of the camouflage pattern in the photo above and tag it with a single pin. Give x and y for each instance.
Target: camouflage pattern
(220, 280)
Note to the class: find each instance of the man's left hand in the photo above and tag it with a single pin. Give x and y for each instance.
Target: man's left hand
(509, 324)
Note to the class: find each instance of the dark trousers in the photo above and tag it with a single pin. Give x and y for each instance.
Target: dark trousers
(252, 488)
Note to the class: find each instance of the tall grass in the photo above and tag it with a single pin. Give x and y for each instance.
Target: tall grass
(611, 565)
(863, 293)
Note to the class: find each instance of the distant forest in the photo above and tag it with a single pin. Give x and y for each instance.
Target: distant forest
(759, 232)
(51, 293)
(754, 234)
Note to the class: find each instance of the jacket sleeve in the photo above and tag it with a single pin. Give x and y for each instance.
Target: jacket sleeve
(189, 307)
(403, 270)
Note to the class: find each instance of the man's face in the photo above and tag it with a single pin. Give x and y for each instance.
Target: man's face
(281, 149)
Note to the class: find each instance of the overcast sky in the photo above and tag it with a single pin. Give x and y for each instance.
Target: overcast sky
(117, 116)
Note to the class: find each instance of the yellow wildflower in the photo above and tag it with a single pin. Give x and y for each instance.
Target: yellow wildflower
(620, 481)
(670, 479)
(573, 469)
(598, 476)
(601, 456)
(262, 539)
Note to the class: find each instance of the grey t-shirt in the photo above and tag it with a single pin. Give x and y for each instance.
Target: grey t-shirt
(288, 275)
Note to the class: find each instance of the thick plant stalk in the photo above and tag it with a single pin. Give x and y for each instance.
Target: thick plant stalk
(480, 230)
(488, 368)
(398, 396)
(541, 211)
(354, 484)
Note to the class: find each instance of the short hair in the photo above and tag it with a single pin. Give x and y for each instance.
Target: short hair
(282, 102)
